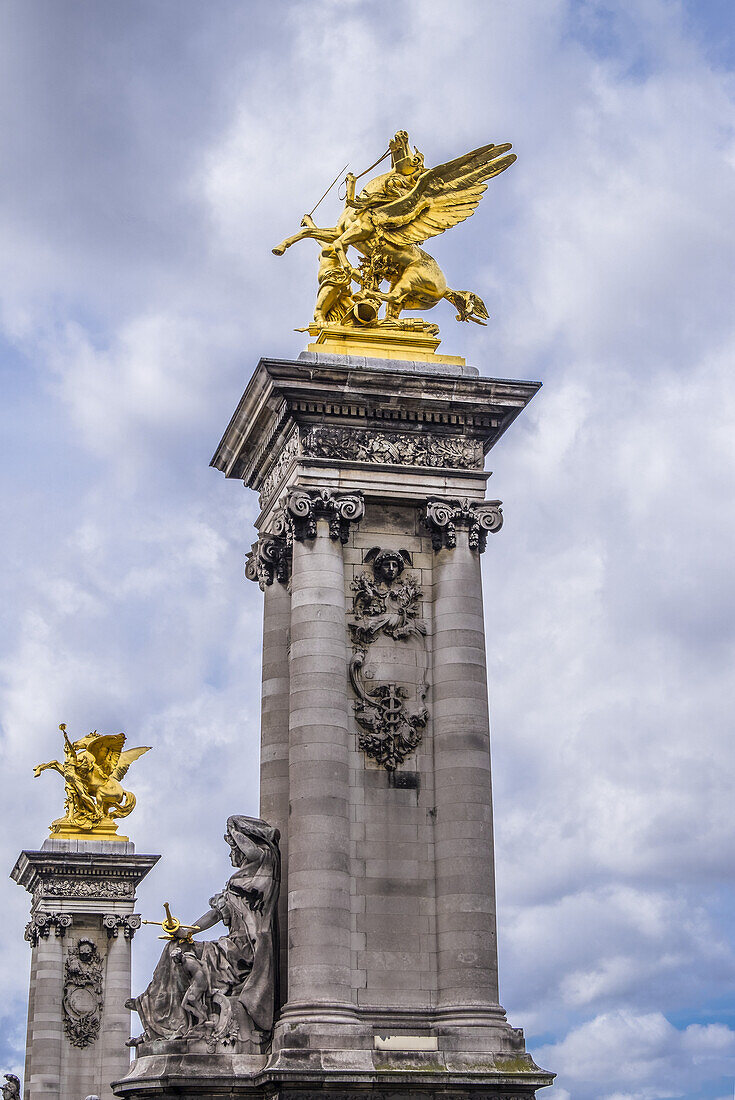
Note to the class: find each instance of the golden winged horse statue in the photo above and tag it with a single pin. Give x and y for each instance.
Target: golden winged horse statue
(385, 223)
(92, 769)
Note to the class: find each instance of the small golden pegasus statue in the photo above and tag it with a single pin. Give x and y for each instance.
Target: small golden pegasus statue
(385, 223)
(92, 769)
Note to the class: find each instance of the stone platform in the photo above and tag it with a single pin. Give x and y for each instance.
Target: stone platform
(388, 1075)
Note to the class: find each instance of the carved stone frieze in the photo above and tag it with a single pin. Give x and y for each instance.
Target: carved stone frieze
(113, 922)
(443, 517)
(386, 605)
(40, 925)
(290, 448)
(86, 888)
(82, 1001)
(397, 448)
(268, 560)
(304, 507)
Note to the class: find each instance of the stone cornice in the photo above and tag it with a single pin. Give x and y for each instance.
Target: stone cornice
(366, 394)
(36, 870)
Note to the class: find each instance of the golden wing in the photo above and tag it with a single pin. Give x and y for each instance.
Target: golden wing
(443, 197)
(126, 759)
(106, 750)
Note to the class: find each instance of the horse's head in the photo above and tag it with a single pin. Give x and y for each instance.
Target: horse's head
(402, 159)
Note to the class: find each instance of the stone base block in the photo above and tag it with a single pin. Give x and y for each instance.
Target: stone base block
(341, 1074)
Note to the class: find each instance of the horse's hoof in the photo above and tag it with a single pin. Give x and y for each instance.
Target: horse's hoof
(278, 251)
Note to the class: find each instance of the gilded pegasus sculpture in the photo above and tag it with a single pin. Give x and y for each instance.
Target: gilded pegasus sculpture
(385, 223)
(92, 769)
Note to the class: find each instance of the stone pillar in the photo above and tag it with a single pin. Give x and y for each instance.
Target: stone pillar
(44, 1053)
(319, 973)
(81, 916)
(465, 875)
(269, 564)
(115, 1030)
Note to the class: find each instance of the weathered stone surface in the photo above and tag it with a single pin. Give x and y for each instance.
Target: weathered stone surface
(388, 906)
(83, 892)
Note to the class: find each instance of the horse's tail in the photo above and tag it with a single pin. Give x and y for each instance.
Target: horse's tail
(125, 807)
(469, 306)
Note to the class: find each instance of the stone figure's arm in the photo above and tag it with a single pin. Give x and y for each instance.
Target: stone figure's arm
(208, 919)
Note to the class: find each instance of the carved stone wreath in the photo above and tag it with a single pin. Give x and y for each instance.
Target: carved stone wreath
(82, 1001)
(392, 609)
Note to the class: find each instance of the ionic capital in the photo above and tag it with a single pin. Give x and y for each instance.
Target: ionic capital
(40, 925)
(268, 560)
(305, 506)
(112, 923)
(442, 517)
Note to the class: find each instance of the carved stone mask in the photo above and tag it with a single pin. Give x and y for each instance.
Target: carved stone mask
(388, 564)
(390, 568)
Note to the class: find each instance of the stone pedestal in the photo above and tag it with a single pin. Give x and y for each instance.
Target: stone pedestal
(80, 932)
(375, 759)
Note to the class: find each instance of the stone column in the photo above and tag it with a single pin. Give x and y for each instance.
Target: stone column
(46, 1031)
(319, 972)
(115, 1030)
(465, 875)
(269, 564)
(83, 893)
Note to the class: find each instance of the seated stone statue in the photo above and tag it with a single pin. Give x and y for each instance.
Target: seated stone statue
(11, 1088)
(223, 992)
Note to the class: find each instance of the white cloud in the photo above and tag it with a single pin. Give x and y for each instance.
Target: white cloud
(644, 1055)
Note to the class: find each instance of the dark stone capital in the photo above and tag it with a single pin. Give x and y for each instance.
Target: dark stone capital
(40, 925)
(269, 560)
(305, 506)
(112, 923)
(443, 517)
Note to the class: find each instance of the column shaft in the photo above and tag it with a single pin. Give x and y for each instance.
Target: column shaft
(274, 744)
(465, 878)
(115, 1031)
(43, 1068)
(319, 823)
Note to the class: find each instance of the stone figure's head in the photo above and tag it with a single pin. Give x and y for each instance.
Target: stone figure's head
(177, 955)
(11, 1088)
(388, 564)
(85, 950)
(247, 836)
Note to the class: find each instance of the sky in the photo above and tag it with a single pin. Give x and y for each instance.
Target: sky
(153, 153)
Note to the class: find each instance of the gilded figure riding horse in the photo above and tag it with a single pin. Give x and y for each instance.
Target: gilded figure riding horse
(392, 215)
